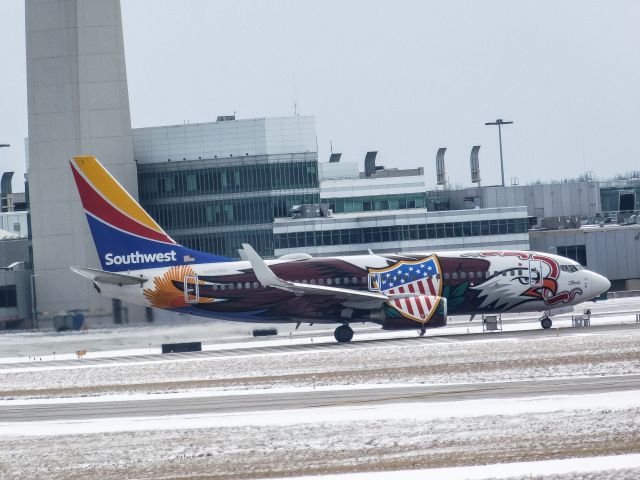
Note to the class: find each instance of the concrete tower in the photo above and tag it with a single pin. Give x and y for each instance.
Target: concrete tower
(78, 105)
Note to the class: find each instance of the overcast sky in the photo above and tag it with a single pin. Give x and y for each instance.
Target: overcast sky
(400, 77)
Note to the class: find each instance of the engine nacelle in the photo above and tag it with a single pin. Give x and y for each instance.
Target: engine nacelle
(414, 311)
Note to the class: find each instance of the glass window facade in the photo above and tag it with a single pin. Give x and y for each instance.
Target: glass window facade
(199, 202)
(226, 212)
(8, 296)
(227, 243)
(400, 232)
(377, 202)
(574, 252)
(248, 176)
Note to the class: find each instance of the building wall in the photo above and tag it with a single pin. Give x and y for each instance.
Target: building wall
(573, 199)
(214, 198)
(338, 170)
(78, 105)
(15, 222)
(345, 190)
(234, 138)
(410, 230)
(15, 284)
(612, 251)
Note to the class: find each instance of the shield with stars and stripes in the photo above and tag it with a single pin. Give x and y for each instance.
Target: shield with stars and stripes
(420, 279)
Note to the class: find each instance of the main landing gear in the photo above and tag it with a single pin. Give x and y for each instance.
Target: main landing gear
(546, 322)
(343, 333)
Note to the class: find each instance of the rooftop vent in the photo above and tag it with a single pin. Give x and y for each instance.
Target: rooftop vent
(225, 118)
(370, 164)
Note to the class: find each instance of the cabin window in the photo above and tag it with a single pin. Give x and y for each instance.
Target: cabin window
(313, 281)
(504, 273)
(239, 286)
(231, 286)
(329, 281)
(463, 274)
(337, 281)
(454, 275)
(512, 273)
(446, 275)
(472, 274)
(247, 285)
(354, 280)
(519, 272)
(255, 285)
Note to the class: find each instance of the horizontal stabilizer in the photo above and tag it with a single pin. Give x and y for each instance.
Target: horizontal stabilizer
(112, 278)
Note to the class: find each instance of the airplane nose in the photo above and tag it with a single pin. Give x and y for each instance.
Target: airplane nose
(599, 284)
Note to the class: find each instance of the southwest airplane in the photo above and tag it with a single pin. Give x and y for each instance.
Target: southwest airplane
(141, 264)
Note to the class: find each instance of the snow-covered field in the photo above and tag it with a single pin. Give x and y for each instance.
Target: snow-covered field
(338, 440)
(520, 438)
(488, 359)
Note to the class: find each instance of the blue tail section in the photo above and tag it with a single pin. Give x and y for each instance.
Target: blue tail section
(126, 237)
(121, 251)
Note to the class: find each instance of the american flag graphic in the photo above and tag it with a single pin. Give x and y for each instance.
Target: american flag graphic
(419, 278)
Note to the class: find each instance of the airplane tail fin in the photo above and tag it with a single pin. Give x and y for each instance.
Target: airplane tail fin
(125, 235)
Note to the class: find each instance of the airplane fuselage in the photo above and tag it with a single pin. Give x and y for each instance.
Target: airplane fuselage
(480, 282)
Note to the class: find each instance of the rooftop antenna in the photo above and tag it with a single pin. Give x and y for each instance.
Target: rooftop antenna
(295, 100)
(331, 145)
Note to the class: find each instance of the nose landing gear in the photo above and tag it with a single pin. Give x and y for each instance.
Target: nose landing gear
(343, 333)
(546, 322)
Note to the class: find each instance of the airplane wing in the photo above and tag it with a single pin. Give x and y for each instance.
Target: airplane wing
(101, 276)
(269, 279)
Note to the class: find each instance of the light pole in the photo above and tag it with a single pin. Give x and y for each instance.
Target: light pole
(499, 122)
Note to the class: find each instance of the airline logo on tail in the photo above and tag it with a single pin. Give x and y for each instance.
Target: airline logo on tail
(137, 257)
(126, 237)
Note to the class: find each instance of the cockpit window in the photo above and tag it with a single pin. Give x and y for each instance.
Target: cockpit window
(569, 268)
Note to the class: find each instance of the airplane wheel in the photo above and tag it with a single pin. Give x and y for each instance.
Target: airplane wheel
(546, 323)
(343, 333)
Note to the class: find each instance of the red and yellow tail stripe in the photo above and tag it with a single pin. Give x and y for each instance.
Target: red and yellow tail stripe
(105, 199)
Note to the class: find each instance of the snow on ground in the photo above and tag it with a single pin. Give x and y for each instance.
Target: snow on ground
(332, 440)
(569, 468)
(490, 437)
(219, 335)
(402, 411)
(432, 361)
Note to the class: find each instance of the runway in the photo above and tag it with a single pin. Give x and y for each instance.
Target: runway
(317, 398)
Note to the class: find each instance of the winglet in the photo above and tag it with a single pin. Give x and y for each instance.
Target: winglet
(263, 273)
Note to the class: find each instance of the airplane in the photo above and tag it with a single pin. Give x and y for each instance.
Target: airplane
(143, 265)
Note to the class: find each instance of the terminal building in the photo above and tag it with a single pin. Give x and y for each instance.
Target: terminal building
(213, 186)
(384, 210)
